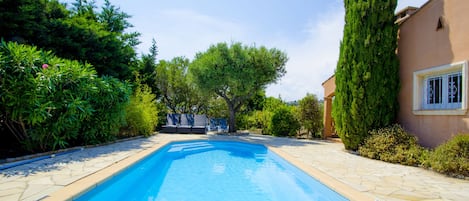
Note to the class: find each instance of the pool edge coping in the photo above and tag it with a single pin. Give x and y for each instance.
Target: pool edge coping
(329, 181)
(88, 182)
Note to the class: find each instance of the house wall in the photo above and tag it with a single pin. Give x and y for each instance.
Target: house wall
(329, 92)
(422, 46)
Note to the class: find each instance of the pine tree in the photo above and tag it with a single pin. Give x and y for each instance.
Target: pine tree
(367, 74)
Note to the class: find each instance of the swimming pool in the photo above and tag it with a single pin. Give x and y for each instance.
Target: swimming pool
(212, 170)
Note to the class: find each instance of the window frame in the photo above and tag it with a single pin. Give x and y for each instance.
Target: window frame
(420, 78)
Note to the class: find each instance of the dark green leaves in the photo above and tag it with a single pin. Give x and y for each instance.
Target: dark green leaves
(367, 78)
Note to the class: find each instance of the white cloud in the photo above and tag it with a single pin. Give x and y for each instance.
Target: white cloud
(185, 32)
(312, 61)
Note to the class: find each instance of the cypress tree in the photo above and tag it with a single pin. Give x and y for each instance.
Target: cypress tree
(367, 74)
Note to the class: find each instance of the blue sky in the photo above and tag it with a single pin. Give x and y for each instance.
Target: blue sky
(309, 31)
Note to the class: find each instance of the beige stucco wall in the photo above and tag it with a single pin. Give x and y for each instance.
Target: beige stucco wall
(329, 91)
(422, 46)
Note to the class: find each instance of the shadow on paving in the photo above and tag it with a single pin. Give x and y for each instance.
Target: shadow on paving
(59, 162)
(270, 140)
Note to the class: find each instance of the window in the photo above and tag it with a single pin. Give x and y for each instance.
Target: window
(441, 90)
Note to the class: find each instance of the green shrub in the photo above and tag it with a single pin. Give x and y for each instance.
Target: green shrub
(284, 123)
(162, 113)
(393, 144)
(142, 112)
(452, 157)
(49, 103)
(65, 88)
(253, 120)
(270, 106)
(310, 115)
(21, 103)
(109, 100)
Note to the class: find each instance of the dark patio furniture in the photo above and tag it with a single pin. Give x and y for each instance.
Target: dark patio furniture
(200, 124)
(172, 121)
(185, 126)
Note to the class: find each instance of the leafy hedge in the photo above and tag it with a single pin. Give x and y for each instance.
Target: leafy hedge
(48, 102)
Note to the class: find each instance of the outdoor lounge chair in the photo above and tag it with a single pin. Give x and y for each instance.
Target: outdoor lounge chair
(186, 123)
(172, 121)
(212, 126)
(222, 125)
(200, 124)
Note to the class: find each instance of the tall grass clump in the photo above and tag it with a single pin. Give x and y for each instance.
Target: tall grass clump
(142, 112)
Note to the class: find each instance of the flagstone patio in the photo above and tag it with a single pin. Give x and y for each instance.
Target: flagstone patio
(375, 179)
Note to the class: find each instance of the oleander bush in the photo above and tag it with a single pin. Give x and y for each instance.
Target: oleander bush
(452, 157)
(109, 100)
(142, 112)
(393, 144)
(49, 103)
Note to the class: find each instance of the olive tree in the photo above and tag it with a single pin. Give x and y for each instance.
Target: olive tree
(177, 90)
(236, 72)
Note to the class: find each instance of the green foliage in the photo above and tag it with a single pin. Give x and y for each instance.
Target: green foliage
(65, 87)
(310, 115)
(20, 100)
(452, 157)
(82, 34)
(367, 79)
(256, 102)
(284, 123)
(147, 69)
(47, 102)
(245, 117)
(237, 72)
(142, 112)
(217, 108)
(178, 92)
(109, 101)
(113, 19)
(393, 144)
(271, 105)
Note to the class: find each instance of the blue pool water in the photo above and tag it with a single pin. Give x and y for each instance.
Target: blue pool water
(212, 170)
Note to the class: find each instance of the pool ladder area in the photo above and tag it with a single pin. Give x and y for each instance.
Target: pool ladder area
(198, 147)
(191, 147)
(260, 157)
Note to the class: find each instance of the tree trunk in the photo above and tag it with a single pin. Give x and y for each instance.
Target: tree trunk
(232, 120)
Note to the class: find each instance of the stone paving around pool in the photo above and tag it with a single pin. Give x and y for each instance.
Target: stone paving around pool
(379, 180)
